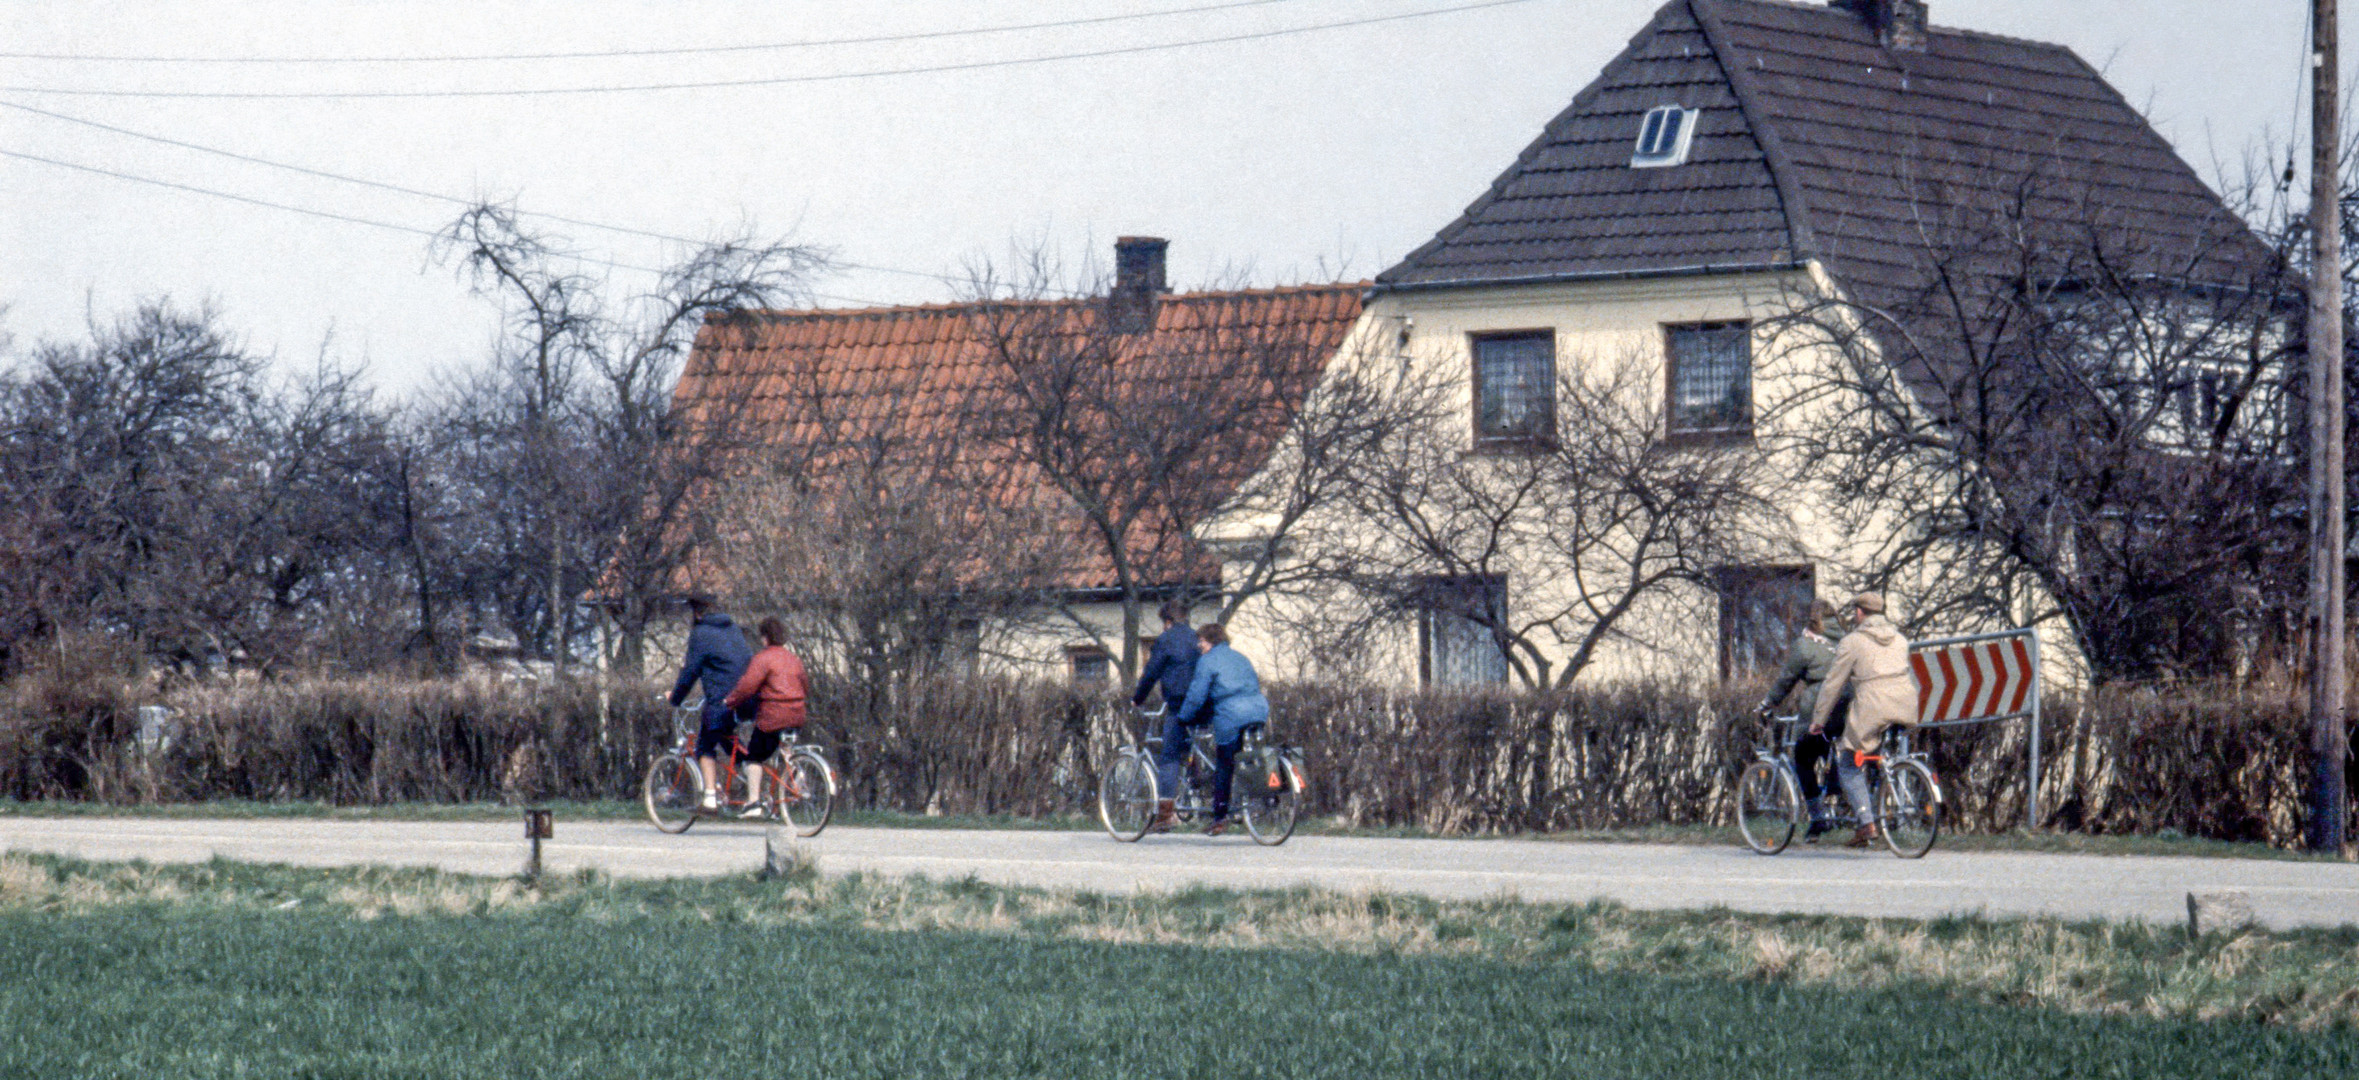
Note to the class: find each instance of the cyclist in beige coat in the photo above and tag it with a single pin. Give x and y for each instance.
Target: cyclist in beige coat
(1873, 661)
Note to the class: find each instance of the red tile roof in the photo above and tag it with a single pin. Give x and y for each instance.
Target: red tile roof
(928, 372)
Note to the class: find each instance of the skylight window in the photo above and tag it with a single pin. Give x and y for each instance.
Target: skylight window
(1663, 137)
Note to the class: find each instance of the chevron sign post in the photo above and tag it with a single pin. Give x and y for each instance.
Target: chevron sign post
(1981, 678)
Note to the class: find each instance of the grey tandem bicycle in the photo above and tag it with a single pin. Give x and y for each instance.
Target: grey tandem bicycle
(1902, 786)
(1266, 793)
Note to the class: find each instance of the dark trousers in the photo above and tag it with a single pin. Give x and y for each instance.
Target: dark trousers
(1224, 771)
(1176, 740)
(713, 734)
(1813, 751)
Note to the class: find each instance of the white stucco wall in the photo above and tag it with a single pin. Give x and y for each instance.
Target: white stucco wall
(1675, 634)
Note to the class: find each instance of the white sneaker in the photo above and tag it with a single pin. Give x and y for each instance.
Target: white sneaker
(709, 804)
(754, 811)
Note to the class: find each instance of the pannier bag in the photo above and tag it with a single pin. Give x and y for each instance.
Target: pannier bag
(1269, 769)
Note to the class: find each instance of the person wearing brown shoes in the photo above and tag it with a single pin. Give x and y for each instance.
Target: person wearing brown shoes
(1872, 661)
(1225, 692)
(1171, 666)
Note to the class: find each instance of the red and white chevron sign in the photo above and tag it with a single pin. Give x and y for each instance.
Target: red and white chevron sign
(1987, 677)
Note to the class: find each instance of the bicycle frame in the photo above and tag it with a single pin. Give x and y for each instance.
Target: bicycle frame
(1782, 753)
(1194, 798)
(1896, 752)
(686, 720)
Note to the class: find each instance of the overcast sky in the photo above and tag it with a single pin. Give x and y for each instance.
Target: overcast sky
(1312, 155)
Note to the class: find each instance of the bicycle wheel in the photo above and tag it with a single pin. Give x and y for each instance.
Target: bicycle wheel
(1908, 810)
(1269, 815)
(1768, 807)
(670, 792)
(809, 800)
(1126, 796)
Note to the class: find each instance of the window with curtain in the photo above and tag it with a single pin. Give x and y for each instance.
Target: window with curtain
(1710, 378)
(1515, 387)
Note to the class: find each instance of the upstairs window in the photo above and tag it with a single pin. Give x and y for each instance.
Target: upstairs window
(1710, 379)
(1663, 137)
(1515, 387)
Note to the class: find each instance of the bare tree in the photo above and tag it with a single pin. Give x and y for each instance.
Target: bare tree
(1148, 414)
(162, 489)
(596, 472)
(2064, 411)
(889, 537)
(1585, 524)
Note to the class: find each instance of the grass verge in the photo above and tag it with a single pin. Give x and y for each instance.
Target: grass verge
(2305, 980)
(2163, 844)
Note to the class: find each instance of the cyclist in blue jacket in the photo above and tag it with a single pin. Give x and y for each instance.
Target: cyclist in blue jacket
(1172, 662)
(1170, 666)
(717, 655)
(1226, 692)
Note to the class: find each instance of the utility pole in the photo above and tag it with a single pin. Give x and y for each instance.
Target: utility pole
(2329, 742)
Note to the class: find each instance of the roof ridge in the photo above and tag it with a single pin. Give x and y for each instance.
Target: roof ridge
(957, 306)
(1801, 241)
(1952, 31)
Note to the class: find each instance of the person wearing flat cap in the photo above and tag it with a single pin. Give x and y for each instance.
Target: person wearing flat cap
(1871, 661)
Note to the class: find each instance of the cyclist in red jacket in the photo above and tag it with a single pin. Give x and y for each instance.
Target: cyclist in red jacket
(777, 685)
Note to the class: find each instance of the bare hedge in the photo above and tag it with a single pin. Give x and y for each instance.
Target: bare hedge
(2228, 764)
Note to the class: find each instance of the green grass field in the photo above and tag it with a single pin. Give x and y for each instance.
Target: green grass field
(163, 992)
(233, 970)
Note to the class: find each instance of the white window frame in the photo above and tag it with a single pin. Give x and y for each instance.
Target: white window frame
(1653, 150)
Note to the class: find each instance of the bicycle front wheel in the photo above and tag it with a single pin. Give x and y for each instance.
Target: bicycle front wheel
(1126, 796)
(670, 792)
(1908, 810)
(808, 803)
(1768, 807)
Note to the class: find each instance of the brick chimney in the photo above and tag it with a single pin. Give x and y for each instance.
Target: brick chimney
(1899, 24)
(1138, 281)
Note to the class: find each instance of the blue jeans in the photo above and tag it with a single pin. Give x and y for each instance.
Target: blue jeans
(1854, 781)
(1173, 755)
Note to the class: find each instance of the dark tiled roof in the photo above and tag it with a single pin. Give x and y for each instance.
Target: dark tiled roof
(911, 374)
(1814, 141)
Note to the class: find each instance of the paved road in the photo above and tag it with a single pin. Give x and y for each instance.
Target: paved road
(1643, 875)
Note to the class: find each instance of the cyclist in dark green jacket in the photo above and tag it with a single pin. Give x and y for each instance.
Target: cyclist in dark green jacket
(1807, 661)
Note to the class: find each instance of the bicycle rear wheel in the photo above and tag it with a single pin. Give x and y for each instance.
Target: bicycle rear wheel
(1270, 815)
(1908, 810)
(1126, 796)
(808, 803)
(670, 792)
(1768, 807)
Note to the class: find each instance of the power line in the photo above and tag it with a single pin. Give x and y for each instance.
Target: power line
(330, 215)
(346, 218)
(415, 192)
(599, 54)
(782, 80)
(321, 173)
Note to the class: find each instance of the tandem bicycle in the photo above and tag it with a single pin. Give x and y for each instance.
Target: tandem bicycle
(1902, 787)
(1266, 791)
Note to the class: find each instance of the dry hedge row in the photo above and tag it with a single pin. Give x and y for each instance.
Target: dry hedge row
(2224, 764)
